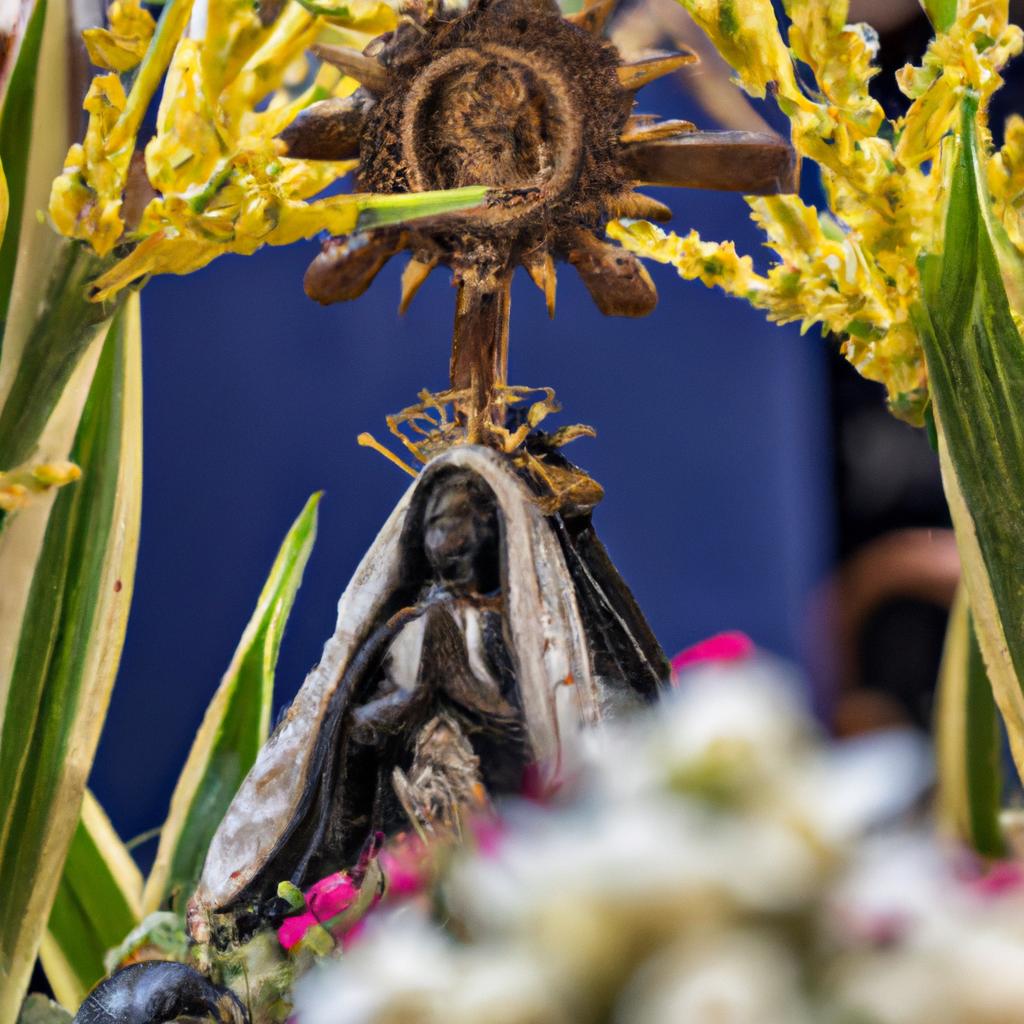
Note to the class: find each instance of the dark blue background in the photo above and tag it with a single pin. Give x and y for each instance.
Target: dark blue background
(713, 448)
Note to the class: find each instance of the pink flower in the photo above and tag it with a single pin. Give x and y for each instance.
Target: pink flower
(723, 647)
(331, 895)
(292, 931)
(537, 786)
(405, 862)
(488, 832)
(1001, 878)
(324, 900)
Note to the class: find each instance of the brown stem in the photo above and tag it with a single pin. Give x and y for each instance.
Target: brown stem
(480, 345)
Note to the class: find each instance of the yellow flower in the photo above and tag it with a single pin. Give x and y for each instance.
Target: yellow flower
(221, 185)
(969, 56)
(86, 199)
(18, 486)
(1006, 180)
(746, 34)
(853, 269)
(840, 56)
(123, 45)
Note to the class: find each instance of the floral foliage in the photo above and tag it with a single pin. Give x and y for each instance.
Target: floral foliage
(18, 486)
(211, 179)
(853, 268)
(123, 45)
(716, 861)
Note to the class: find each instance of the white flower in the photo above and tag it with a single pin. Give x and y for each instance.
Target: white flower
(402, 960)
(737, 978)
(715, 862)
(407, 969)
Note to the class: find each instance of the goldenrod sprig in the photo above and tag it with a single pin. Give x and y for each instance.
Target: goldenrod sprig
(853, 268)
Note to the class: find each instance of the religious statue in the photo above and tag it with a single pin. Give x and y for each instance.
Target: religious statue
(486, 627)
(476, 626)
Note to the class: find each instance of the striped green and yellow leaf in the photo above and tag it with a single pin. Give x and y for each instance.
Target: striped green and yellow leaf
(18, 107)
(235, 726)
(975, 359)
(968, 740)
(99, 901)
(67, 653)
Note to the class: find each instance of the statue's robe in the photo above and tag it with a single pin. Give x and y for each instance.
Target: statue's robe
(577, 647)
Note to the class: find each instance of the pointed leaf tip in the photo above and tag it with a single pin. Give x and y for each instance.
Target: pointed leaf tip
(975, 362)
(235, 726)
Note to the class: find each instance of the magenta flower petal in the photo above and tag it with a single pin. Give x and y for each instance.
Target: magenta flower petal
(488, 833)
(723, 647)
(406, 865)
(331, 895)
(292, 930)
(1002, 878)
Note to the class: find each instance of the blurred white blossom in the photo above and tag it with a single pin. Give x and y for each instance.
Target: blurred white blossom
(714, 862)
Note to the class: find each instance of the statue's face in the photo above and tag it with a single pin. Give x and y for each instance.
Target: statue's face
(460, 536)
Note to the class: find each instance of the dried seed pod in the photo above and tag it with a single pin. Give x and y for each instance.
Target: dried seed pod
(368, 71)
(646, 70)
(328, 130)
(512, 95)
(593, 17)
(637, 206)
(345, 269)
(756, 163)
(653, 130)
(541, 268)
(617, 281)
(415, 273)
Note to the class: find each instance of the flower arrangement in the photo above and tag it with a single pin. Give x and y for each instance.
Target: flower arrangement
(715, 857)
(716, 860)
(851, 267)
(914, 263)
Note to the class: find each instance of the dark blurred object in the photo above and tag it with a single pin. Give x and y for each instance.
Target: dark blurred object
(886, 473)
(890, 602)
(897, 557)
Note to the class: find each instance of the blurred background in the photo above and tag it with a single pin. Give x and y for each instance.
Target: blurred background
(753, 481)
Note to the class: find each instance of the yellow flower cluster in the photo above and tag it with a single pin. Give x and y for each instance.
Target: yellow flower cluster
(853, 268)
(213, 174)
(122, 46)
(19, 485)
(1006, 180)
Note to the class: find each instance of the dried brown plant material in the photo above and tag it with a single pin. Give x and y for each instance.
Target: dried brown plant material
(539, 107)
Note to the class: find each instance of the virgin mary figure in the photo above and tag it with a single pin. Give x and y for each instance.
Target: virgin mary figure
(475, 641)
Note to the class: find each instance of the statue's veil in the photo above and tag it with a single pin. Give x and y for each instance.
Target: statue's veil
(558, 689)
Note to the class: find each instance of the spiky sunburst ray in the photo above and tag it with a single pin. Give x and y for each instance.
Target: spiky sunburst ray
(538, 218)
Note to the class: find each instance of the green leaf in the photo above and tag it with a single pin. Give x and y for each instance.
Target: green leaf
(163, 934)
(968, 739)
(975, 362)
(40, 119)
(65, 325)
(234, 728)
(99, 901)
(45, 315)
(941, 13)
(19, 102)
(291, 894)
(67, 654)
(380, 210)
(147, 76)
